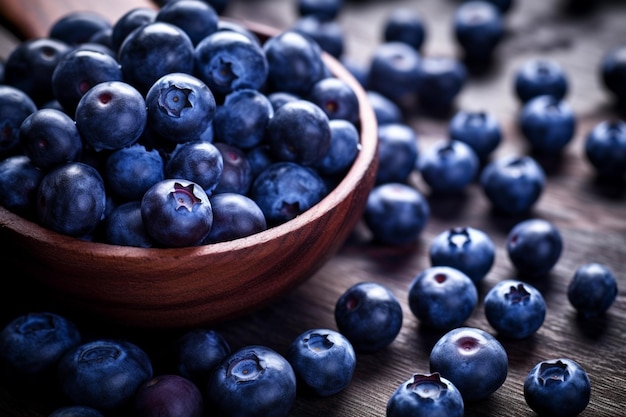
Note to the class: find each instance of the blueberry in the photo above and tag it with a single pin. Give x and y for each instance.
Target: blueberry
(168, 395)
(398, 152)
(243, 118)
(177, 213)
(426, 395)
(199, 162)
(344, 148)
(503, 6)
(467, 249)
(448, 166)
(254, 381)
(328, 34)
(538, 77)
(227, 61)
(558, 387)
(605, 148)
(234, 216)
(395, 71)
(369, 315)
(592, 290)
(336, 98)
(323, 361)
(180, 107)
(75, 411)
(78, 71)
(612, 71)
(513, 184)
(515, 309)
(129, 21)
(441, 80)
(442, 297)
(547, 123)
(130, 171)
(197, 18)
(478, 27)
(32, 344)
(124, 226)
(396, 213)
(71, 199)
(237, 172)
(295, 62)
(285, 190)
(404, 24)
(30, 65)
(111, 115)
(278, 98)
(321, 9)
(78, 27)
(478, 129)
(197, 352)
(386, 110)
(152, 51)
(15, 106)
(472, 359)
(19, 182)
(260, 157)
(534, 246)
(50, 138)
(103, 373)
(299, 132)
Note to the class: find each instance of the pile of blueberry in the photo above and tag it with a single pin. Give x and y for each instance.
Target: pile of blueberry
(193, 117)
(170, 128)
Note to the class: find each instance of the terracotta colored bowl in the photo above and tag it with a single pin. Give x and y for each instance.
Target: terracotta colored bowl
(168, 288)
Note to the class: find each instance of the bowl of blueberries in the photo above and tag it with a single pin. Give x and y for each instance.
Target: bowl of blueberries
(173, 176)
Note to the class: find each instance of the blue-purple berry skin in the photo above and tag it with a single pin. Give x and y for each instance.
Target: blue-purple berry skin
(548, 124)
(198, 352)
(478, 129)
(605, 148)
(534, 246)
(370, 315)
(467, 249)
(472, 359)
(478, 27)
(442, 297)
(234, 216)
(515, 309)
(448, 167)
(124, 226)
(254, 381)
(538, 77)
(612, 72)
(168, 395)
(426, 395)
(557, 388)
(404, 24)
(398, 152)
(19, 182)
(395, 71)
(441, 80)
(323, 360)
(592, 290)
(76, 411)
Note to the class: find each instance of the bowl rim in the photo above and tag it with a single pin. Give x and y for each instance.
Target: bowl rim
(364, 164)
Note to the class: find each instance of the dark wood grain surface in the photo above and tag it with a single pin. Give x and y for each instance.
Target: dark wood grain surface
(590, 214)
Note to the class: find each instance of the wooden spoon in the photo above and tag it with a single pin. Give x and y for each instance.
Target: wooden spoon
(34, 18)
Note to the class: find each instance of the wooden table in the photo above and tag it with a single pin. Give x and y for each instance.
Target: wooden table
(590, 215)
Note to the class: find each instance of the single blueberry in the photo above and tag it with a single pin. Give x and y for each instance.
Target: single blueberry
(197, 352)
(448, 166)
(405, 24)
(130, 171)
(197, 18)
(472, 359)
(515, 309)
(426, 395)
(538, 77)
(129, 21)
(15, 106)
(612, 72)
(168, 394)
(467, 249)
(557, 388)
(478, 129)
(396, 213)
(237, 173)
(78, 27)
(386, 110)
(124, 226)
(344, 148)
(19, 182)
(513, 184)
(479, 28)
(103, 373)
(592, 290)
(199, 162)
(442, 297)
(177, 213)
(605, 148)
(442, 78)
(328, 34)
(547, 123)
(534, 246)
(255, 381)
(336, 98)
(234, 216)
(323, 361)
(398, 152)
(71, 199)
(370, 315)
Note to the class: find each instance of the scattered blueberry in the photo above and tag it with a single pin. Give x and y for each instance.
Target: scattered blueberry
(479, 28)
(395, 71)
(539, 77)
(442, 297)
(547, 123)
(515, 309)
(197, 352)
(605, 148)
(405, 24)
(441, 80)
(471, 359)
(398, 152)
(386, 110)
(612, 71)
(168, 395)
(321, 9)
(426, 395)
(534, 246)
(328, 34)
(448, 167)
(592, 290)
(369, 315)
(478, 129)
(557, 388)
(323, 361)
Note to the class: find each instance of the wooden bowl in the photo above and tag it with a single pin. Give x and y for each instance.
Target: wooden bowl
(182, 287)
